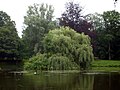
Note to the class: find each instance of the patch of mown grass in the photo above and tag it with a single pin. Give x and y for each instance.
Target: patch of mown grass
(106, 63)
(106, 69)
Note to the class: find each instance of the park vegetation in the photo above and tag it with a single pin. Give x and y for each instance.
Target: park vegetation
(71, 42)
(37, 22)
(64, 49)
(107, 41)
(9, 40)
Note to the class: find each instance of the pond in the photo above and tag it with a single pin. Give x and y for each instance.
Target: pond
(60, 81)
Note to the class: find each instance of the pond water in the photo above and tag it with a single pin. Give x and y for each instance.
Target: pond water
(60, 81)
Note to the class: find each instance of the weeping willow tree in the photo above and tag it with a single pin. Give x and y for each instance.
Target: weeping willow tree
(64, 49)
(68, 43)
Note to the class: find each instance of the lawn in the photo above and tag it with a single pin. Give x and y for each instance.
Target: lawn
(106, 65)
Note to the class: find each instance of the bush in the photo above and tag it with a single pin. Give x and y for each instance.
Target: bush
(38, 62)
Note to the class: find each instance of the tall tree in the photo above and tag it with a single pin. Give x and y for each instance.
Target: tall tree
(97, 22)
(115, 1)
(107, 26)
(9, 39)
(38, 21)
(112, 33)
(64, 49)
(73, 18)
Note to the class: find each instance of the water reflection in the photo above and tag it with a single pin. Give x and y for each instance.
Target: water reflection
(60, 81)
(109, 81)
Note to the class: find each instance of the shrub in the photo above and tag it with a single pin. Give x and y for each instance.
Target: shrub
(38, 62)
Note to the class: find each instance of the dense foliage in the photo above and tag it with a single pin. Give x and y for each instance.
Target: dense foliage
(73, 18)
(9, 40)
(38, 22)
(112, 33)
(54, 62)
(107, 26)
(67, 49)
(38, 62)
(60, 62)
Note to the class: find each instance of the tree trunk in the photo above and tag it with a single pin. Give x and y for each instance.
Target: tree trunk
(109, 49)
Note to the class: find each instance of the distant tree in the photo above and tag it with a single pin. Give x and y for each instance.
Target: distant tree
(38, 21)
(112, 33)
(73, 18)
(107, 26)
(115, 1)
(97, 22)
(9, 39)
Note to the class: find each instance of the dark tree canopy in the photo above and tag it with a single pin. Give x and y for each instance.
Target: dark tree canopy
(107, 26)
(9, 40)
(73, 18)
(112, 33)
(115, 0)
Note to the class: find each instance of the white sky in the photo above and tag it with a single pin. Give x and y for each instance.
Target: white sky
(16, 9)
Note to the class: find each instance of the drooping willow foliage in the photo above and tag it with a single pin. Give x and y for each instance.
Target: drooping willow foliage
(59, 62)
(68, 43)
(54, 62)
(64, 49)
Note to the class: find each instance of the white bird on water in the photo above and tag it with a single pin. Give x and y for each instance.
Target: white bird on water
(35, 73)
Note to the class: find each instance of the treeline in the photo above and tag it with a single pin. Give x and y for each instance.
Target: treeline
(103, 31)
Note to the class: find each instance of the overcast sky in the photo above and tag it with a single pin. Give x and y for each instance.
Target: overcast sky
(16, 9)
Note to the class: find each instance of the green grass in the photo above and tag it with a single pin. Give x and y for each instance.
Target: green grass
(106, 63)
(106, 69)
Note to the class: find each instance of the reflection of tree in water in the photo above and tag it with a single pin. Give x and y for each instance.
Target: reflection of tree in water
(61, 82)
(47, 81)
(109, 81)
(86, 82)
(101, 82)
(10, 81)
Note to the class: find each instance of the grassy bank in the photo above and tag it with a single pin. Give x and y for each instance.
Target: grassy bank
(106, 65)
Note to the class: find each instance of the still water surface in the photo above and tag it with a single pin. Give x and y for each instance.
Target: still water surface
(60, 81)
